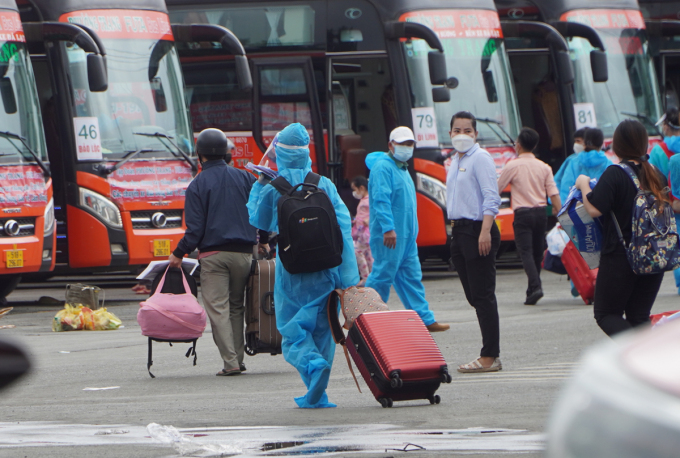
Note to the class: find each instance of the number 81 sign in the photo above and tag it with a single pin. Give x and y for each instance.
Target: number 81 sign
(585, 115)
(88, 143)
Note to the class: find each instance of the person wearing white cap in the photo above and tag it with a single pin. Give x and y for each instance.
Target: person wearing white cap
(394, 227)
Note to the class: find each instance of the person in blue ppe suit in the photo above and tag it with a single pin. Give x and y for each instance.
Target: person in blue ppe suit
(579, 147)
(591, 162)
(666, 158)
(394, 227)
(661, 154)
(301, 314)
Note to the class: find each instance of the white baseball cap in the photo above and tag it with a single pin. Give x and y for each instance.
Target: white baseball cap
(402, 134)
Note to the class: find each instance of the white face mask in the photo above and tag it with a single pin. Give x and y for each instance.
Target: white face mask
(356, 195)
(403, 153)
(462, 143)
(578, 148)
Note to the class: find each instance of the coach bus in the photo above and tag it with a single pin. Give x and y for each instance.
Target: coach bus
(662, 19)
(351, 71)
(122, 150)
(614, 74)
(27, 235)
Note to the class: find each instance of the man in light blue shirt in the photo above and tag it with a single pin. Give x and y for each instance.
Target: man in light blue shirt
(472, 202)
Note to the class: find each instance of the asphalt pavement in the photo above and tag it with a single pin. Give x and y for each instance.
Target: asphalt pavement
(49, 414)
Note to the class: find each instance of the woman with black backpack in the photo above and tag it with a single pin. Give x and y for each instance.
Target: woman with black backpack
(619, 289)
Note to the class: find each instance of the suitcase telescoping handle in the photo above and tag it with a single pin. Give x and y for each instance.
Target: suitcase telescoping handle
(335, 299)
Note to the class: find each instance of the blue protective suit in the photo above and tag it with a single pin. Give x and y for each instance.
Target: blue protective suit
(658, 157)
(559, 176)
(301, 314)
(590, 163)
(392, 200)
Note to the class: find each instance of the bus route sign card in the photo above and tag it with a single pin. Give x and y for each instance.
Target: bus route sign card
(88, 143)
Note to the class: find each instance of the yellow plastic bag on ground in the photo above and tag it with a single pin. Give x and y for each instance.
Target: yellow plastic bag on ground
(105, 320)
(77, 318)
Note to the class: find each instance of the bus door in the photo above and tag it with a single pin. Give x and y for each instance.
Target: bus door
(664, 46)
(540, 106)
(362, 114)
(285, 92)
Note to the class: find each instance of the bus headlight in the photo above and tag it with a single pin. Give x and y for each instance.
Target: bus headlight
(49, 218)
(101, 207)
(431, 187)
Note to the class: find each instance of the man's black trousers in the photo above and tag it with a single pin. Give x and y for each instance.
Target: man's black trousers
(478, 276)
(529, 226)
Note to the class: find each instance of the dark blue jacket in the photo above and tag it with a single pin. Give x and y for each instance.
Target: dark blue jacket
(215, 211)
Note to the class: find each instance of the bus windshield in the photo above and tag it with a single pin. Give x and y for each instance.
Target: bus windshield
(476, 57)
(19, 107)
(632, 89)
(145, 95)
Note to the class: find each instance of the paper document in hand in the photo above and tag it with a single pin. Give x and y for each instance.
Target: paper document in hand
(262, 169)
(155, 267)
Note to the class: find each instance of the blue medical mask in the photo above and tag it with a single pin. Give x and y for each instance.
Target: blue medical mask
(403, 153)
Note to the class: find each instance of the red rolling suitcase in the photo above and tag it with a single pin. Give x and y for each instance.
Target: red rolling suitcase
(583, 277)
(395, 353)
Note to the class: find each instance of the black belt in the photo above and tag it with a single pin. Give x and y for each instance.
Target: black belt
(460, 222)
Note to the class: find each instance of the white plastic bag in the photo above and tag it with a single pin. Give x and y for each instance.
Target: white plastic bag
(557, 239)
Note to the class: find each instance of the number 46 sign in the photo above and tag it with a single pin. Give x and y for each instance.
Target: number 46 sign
(585, 115)
(88, 142)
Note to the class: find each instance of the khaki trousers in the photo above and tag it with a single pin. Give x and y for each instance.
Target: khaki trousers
(224, 276)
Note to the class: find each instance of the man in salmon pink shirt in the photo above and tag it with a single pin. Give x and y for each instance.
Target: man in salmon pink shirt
(531, 182)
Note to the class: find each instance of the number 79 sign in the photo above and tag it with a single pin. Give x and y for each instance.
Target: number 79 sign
(585, 115)
(425, 126)
(88, 142)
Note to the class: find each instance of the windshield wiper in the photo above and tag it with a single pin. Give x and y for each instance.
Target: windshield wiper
(489, 121)
(644, 117)
(128, 156)
(159, 136)
(10, 135)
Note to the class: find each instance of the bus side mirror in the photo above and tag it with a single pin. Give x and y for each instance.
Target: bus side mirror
(598, 63)
(564, 68)
(97, 76)
(441, 94)
(9, 101)
(158, 94)
(437, 63)
(243, 76)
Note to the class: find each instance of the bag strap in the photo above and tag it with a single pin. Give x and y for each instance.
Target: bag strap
(636, 181)
(338, 334)
(281, 184)
(149, 361)
(173, 317)
(313, 178)
(666, 150)
(631, 173)
(159, 288)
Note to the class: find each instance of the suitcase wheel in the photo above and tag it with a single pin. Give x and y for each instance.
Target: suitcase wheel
(396, 381)
(385, 402)
(435, 399)
(446, 378)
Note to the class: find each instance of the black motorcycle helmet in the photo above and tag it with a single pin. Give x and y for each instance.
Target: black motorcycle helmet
(212, 144)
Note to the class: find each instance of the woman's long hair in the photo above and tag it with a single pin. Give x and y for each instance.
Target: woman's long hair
(630, 143)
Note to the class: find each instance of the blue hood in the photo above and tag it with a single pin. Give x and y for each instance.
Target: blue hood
(591, 159)
(673, 144)
(376, 157)
(297, 157)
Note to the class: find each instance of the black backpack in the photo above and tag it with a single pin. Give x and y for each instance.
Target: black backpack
(310, 239)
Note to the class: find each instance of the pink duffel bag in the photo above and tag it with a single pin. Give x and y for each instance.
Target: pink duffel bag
(172, 318)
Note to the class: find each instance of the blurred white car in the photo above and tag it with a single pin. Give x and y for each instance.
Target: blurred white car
(623, 401)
